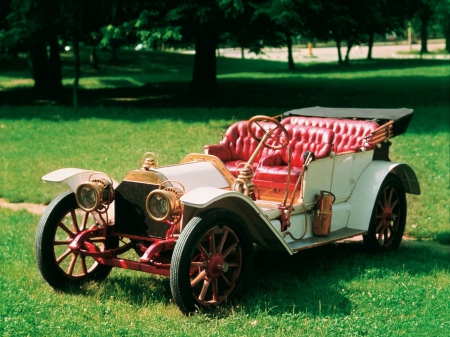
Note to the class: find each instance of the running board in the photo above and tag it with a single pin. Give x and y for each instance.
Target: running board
(315, 241)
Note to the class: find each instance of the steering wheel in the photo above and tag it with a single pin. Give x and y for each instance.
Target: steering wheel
(269, 134)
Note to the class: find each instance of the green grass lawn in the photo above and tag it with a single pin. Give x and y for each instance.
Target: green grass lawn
(335, 290)
(141, 104)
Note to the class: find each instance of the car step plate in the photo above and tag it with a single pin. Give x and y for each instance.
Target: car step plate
(315, 241)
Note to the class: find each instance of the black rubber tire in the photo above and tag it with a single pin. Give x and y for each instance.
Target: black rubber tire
(390, 204)
(224, 283)
(50, 242)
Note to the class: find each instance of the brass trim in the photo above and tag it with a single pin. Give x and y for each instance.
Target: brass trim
(215, 161)
(146, 177)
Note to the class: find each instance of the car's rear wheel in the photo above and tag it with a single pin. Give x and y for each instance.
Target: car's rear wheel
(388, 218)
(57, 263)
(212, 261)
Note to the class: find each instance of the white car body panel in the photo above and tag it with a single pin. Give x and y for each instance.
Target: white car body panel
(194, 175)
(261, 228)
(347, 169)
(368, 185)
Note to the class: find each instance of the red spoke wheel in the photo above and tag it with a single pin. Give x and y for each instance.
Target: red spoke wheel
(212, 261)
(388, 219)
(57, 263)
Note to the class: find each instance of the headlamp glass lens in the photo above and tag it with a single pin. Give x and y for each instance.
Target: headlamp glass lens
(159, 206)
(87, 197)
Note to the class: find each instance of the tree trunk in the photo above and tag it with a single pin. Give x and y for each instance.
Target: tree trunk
(289, 47)
(370, 45)
(54, 66)
(76, 51)
(446, 29)
(424, 35)
(347, 54)
(204, 81)
(338, 45)
(447, 42)
(39, 61)
(93, 58)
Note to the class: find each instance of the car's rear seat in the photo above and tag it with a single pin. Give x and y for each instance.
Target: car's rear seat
(349, 134)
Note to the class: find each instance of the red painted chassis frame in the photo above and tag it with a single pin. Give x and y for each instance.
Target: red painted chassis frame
(149, 262)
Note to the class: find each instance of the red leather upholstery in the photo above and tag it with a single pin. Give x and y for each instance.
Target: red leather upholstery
(273, 167)
(349, 133)
(237, 146)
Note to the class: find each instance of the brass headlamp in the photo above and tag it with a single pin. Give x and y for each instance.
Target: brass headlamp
(164, 203)
(94, 194)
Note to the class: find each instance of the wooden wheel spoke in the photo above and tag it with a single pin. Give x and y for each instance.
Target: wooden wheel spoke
(215, 290)
(229, 250)
(76, 229)
(199, 264)
(199, 277)
(234, 264)
(391, 192)
(380, 239)
(226, 280)
(394, 204)
(84, 222)
(83, 265)
(205, 288)
(62, 257)
(393, 231)
(202, 250)
(72, 264)
(380, 226)
(67, 230)
(380, 205)
(386, 237)
(222, 241)
(212, 242)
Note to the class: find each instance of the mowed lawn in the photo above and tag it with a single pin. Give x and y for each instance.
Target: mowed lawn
(336, 290)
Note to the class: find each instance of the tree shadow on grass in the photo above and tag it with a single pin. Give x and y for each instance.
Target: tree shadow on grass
(165, 79)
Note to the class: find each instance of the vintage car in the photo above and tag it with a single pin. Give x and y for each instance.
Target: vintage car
(305, 178)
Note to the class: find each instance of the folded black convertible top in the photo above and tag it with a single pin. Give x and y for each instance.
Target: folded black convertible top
(401, 117)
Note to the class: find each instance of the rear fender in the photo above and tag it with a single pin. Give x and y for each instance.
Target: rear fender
(368, 185)
(263, 232)
(75, 176)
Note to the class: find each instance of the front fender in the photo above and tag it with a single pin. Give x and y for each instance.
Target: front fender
(71, 176)
(368, 185)
(262, 230)
(75, 176)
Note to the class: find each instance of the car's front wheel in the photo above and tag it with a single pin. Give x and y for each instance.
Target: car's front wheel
(212, 260)
(388, 219)
(57, 263)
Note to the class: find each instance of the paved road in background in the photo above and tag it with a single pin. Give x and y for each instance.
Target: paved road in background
(329, 54)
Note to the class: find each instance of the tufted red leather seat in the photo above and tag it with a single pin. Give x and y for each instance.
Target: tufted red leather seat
(349, 133)
(273, 167)
(237, 146)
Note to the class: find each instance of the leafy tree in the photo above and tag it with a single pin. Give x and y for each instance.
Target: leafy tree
(443, 15)
(335, 21)
(288, 18)
(426, 12)
(203, 22)
(35, 24)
